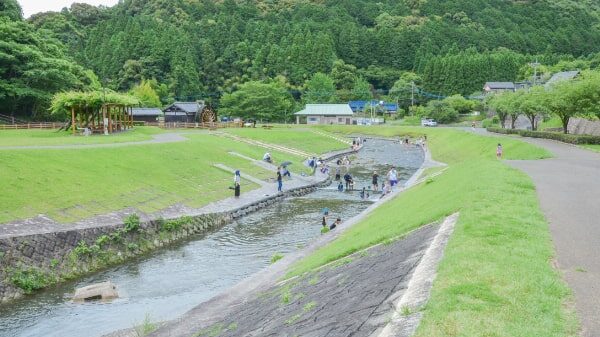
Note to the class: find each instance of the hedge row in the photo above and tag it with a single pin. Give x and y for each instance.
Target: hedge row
(567, 138)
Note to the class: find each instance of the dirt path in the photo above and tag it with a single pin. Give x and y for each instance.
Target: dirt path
(568, 187)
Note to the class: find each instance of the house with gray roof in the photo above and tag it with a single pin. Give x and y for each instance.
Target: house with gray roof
(492, 87)
(325, 114)
(187, 112)
(562, 76)
(146, 114)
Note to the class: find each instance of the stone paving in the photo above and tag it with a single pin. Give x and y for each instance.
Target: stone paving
(354, 296)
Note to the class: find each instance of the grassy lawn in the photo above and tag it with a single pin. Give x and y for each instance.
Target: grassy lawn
(72, 184)
(593, 147)
(496, 277)
(54, 137)
(302, 139)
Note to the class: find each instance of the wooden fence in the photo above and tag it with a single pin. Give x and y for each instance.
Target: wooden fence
(183, 125)
(31, 126)
(169, 125)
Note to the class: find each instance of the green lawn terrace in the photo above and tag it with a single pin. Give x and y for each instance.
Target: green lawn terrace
(70, 184)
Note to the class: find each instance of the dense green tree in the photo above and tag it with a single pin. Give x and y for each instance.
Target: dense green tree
(33, 66)
(361, 91)
(266, 101)
(343, 75)
(441, 111)
(320, 89)
(11, 9)
(146, 95)
(461, 104)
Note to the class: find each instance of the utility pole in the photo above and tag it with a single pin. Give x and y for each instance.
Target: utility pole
(535, 65)
(412, 94)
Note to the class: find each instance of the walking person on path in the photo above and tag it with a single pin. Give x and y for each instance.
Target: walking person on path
(237, 178)
(375, 181)
(499, 151)
(279, 180)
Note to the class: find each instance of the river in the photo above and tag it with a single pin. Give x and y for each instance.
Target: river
(169, 282)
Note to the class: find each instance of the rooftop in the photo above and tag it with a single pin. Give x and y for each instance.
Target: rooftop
(326, 110)
(146, 111)
(499, 85)
(562, 76)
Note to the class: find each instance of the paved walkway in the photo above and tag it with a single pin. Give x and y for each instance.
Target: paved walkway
(568, 187)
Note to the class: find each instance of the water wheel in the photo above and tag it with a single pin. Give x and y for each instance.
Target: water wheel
(208, 115)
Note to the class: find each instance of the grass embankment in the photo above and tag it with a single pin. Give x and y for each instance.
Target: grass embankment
(55, 137)
(496, 277)
(593, 147)
(309, 141)
(72, 184)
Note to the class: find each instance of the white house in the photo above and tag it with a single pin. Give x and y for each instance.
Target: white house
(325, 114)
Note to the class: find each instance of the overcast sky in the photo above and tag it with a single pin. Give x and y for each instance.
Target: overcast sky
(36, 6)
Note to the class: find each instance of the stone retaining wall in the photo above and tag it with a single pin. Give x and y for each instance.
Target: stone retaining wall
(580, 126)
(40, 260)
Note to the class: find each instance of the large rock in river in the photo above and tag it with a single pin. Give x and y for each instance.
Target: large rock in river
(98, 291)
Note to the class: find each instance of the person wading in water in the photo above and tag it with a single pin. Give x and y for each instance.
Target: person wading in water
(236, 183)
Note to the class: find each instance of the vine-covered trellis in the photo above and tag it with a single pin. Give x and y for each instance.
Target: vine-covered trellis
(98, 111)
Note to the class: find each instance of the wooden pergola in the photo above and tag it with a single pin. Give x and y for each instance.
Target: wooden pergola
(111, 117)
(102, 112)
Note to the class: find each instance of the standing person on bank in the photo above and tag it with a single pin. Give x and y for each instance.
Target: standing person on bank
(236, 183)
(499, 151)
(279, 180)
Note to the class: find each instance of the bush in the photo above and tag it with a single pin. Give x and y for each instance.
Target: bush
(442, 112)
(561, 137)
(29, 279)
(132, 223)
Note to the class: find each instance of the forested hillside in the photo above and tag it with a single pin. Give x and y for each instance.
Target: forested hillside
(199, 49)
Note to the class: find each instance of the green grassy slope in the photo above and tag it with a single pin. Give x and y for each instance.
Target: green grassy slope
(73, 184)
(495, 278)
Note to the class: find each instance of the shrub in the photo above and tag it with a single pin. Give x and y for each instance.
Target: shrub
(562, 137)
(132, 223)
(29, 279)
(82, 249)
(102, 240)
(176, 224)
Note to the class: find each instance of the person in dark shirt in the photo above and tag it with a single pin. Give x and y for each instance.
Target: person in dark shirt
(349, 181)
(375, 181)
(279, 180)
(335, 224)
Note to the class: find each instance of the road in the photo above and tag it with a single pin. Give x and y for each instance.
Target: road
(568, 187)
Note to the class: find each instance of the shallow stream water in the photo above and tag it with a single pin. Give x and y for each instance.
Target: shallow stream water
(167, 283)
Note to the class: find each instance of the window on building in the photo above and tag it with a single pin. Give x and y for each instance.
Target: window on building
(312, 119)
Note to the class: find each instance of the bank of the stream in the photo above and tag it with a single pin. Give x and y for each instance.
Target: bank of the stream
(496, 278)
(170, 282)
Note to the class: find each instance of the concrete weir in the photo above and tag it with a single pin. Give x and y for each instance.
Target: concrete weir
(47, 252)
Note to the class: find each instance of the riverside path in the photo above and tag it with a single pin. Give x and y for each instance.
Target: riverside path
(568, 187)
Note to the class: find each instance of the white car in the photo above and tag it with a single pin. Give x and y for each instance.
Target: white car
(428, 122)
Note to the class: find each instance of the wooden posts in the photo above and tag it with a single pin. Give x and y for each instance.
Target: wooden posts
(73, 123)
